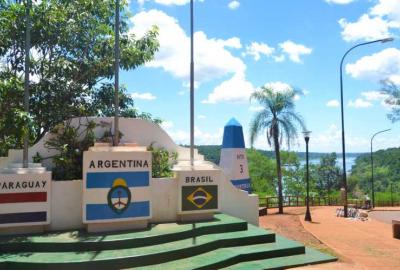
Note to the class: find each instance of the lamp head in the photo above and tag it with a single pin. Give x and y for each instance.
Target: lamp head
(306, 134)
(389, 39)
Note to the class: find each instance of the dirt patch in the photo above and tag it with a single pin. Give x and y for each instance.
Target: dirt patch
(289, 225)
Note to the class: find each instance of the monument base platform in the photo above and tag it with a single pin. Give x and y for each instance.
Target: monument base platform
(225, 241)
(119, 226)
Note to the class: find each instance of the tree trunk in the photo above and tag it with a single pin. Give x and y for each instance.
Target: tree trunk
(278, 168)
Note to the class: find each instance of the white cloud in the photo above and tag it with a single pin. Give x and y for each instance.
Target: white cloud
(234, 5)
(201, 137)
(360, 103)
(376, 67)
(389, 8)
(144, 96)
(374, 95)
(256, 108)
(294, 50)
(172, 2)
(201, 116)
(168, 2)
(333, 103)
(236, 89)
(379, 22)
(212, 59)
(279, 58)
(167, 124)
(366, 28)
(279, 87)
(231, 43)
(339, 2)
(256, 49)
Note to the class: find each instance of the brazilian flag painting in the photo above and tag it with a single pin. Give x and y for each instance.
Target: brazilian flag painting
(196, 198)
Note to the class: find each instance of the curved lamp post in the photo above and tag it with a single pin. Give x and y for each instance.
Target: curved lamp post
(372, 167)
(342, 114)
(308, 214)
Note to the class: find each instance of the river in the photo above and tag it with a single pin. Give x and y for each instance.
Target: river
(350, 161)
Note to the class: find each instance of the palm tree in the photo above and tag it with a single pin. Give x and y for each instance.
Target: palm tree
(279, 120)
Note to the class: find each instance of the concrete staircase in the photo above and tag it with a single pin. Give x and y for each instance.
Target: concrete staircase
(224, 242)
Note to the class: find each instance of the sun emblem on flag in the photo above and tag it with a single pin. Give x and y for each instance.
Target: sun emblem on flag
(200, 197)
(119, 196)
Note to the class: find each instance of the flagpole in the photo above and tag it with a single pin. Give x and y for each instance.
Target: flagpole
(116, 77)
(191, 87)
(26, 82)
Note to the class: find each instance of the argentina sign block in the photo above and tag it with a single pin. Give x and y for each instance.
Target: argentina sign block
(25, 199)
(116, 186)
(199, 191)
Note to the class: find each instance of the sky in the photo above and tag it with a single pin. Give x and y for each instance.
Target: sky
(245, 44)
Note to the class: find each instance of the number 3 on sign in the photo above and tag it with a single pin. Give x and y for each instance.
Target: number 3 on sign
(241, 168)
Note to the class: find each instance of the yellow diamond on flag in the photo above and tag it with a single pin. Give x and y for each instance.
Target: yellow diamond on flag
(199, 197)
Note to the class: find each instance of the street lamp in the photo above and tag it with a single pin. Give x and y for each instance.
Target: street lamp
(372, 167)
(308, 214)
(342, 115)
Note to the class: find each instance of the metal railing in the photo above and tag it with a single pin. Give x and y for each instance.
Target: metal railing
(297, 201)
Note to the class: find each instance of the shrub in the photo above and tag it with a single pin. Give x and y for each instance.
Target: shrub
(162, 161)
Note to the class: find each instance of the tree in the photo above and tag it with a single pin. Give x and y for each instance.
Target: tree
(328, 174)
(72, 51)
(392, 91)
(279, 120)
(261, 170)
(293, 173)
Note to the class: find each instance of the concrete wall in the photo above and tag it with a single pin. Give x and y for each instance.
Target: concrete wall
(66, 205)
(164, 203)
(137, 131)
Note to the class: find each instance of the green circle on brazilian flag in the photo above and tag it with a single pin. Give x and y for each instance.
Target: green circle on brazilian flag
(119, 196)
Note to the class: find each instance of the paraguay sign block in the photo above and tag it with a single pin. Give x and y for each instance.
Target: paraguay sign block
(199, 191)
(233, 156)
(116, 186)
(25, 199)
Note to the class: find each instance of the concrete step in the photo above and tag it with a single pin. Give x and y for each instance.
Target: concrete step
(155, 235)
(311, 256)
(134, 257)
(227, 257)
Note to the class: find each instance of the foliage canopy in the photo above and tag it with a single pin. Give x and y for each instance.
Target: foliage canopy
(72, 55)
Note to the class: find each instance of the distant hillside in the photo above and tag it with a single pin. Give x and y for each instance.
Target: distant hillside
(386, 168)
(212, 153)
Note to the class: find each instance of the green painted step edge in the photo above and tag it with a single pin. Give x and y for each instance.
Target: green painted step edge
(311, 256)
(254, 236)
(128, 240)
(229, 256)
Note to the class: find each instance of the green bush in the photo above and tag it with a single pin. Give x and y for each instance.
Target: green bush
(70, 143)
(162, 161)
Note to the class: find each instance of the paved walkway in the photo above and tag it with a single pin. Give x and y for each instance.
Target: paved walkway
(365, 244)
(385, 215)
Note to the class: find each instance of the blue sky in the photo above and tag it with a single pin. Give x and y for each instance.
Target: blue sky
(245, 44)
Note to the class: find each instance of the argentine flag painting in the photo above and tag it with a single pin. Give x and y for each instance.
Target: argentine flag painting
(116, 186)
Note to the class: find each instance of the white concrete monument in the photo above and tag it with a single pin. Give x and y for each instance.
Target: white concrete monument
(117, 191)
(116, 188)
(24, 198)
(233, 156)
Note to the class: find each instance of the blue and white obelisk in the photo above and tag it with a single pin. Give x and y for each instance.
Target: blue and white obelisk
(233, 156)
